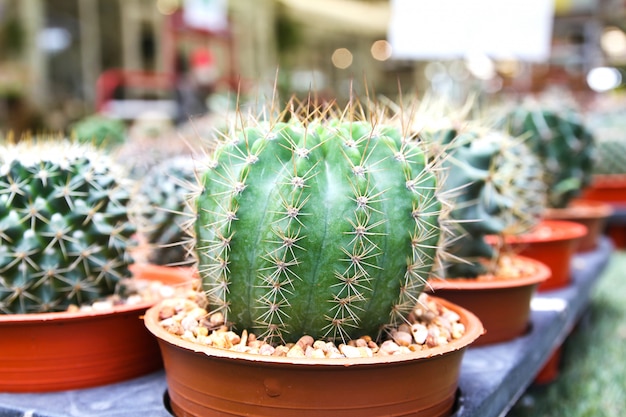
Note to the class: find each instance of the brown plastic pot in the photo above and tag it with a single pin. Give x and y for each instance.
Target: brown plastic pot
(46, 352)
(206, 381)
(552, 242)
(592, 214)
(502, 305)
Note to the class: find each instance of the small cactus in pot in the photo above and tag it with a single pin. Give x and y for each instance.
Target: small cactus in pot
(65, 229)
(563, 143)
(493, 180)
(324, 225)
(496, 186)
(163, 210)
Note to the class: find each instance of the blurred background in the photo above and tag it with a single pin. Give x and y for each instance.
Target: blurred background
(62, 60)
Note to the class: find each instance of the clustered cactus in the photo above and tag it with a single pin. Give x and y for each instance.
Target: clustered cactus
(324, 225)
(64, 225)
(563, 143)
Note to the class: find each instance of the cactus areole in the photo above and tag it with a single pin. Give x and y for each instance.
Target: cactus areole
(327, 228)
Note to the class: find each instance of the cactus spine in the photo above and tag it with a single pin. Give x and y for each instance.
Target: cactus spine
(64, 226)
(325, 226)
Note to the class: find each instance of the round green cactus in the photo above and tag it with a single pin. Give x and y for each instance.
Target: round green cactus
(64, 226)
(327, 227)
(564, 144)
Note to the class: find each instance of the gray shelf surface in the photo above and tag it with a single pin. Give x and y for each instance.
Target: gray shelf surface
(492, 377)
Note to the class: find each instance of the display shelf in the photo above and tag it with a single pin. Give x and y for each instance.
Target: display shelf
(492, 377)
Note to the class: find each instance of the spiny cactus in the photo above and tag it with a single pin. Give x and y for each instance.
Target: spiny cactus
(164, 212)
(611, 155)
(563, 143)
(609, 129)
(496, 186)
(493, 180)
(64, 226)
(324, 225)
(99, 130)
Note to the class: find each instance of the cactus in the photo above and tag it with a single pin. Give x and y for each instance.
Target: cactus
(324, 225)
(164, 212)
(100, 130)
(64, 225)
(608, 128)
(496, 186)
(610, 155)
(563, 143)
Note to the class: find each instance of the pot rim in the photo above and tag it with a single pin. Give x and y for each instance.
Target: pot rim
(178, 275)
(63, 316)
(473, 330)
(581, 209)
(543, 273)
(611, 181)
(568, 230)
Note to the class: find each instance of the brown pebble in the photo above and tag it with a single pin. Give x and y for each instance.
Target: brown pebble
(166, 312)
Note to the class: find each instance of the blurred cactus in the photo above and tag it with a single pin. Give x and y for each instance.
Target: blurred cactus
(492, 179)
(99, 130)
(563, 143)
(164, 211)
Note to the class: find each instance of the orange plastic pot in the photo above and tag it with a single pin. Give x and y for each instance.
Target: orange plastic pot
(551, 369)
(206, 381)
(46, 352)
(553, 243)
(591, 214)
(171, 275)
(502, 305)
(608, 188)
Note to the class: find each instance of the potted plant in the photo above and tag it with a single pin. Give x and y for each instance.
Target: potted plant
(321, 229)
(65, 239)
(497, 190)
(608, 184)
(566, 148)
(163, 212)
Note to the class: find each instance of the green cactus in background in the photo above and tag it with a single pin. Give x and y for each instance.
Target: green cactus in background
(99, 130)
(496, 186)
(608, 126)
(565, 146)
(164, 210)
(64, 226)
(610, 155)
(324, 225)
